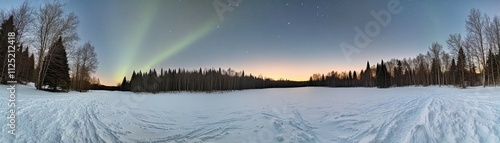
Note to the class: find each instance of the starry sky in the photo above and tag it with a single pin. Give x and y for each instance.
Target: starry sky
(289, 39)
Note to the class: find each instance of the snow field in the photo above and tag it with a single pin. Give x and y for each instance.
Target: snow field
(311, 114)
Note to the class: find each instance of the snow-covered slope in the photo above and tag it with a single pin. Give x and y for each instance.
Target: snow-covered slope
(312, 114)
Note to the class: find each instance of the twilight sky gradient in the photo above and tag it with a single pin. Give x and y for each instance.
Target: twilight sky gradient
(290, 39)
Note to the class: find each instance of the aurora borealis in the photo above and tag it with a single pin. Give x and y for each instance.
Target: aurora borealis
(290, 39)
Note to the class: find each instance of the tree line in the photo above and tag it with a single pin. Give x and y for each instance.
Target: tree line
(57, 63)
(206, 80)
(472, 60)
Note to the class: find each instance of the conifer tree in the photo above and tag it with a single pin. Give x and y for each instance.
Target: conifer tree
(6, 27)
(56, 67)
(31, 68)
(453, 73)
(461, 73)
(491, 70)
(125, 85)
(383, 76)
(368, 75)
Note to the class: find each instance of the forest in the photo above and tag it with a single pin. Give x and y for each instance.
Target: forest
(472, 60)
(45, 43)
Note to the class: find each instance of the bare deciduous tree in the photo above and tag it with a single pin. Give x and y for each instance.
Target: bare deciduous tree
(475, 25)
(435, 52)
(495, 24)
(85, 63)
(3, 15)
(454, 43)
(23, 19)
(50, 23)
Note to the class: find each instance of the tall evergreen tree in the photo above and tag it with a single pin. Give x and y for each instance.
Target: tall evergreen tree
(125, 85)
(31, 68)
(56, 68)
(398, 74)
(6, 27)
(368, 75)
(453, 73)
(461, 73)
(491, 68)
(382, 76)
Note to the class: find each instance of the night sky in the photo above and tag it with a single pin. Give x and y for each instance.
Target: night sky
(290, 39)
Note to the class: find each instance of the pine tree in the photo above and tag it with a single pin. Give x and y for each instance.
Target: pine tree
(125, 85)
(56, 67)
(134, 82)
(398, 74)
(461, 73)
(5, 29)
(25, 64)
(453, 73)
(354, 75)
(368, 75)
(22, 64)
(31, 69)
(491, 70)
(383, 76)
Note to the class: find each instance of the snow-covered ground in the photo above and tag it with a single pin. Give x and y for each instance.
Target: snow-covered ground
(312, 114)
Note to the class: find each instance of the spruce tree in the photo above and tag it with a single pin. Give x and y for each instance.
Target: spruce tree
(6, 27)
(124, 85)
(56, 67)
(31, 69)
(387, 75)
(368, 75)
(133, 82)
(453, 73)
(383, 77)
(398, 74)
(491, 70)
